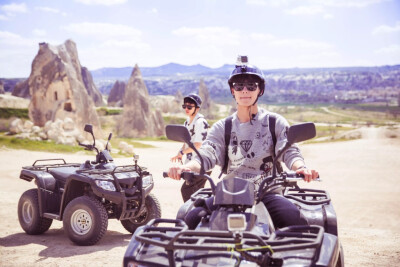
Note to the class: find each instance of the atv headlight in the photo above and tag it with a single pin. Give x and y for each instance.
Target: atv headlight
(147, 180)
(106, 185)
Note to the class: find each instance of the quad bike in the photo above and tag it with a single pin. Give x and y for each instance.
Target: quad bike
(84, 196)
(228, 225)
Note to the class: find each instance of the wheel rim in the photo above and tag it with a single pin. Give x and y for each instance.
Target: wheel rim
(27, 212)
(81, 222)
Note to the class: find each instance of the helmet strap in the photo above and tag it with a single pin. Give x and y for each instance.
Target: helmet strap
(194, 111)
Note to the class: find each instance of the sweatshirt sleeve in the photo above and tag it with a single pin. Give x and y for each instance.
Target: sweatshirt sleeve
(293, 153)
(213, 148)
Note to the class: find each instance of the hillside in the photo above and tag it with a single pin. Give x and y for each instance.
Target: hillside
(324, 85)
(299, 85)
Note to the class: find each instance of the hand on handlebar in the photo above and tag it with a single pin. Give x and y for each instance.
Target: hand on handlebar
(176, 171)
(309, 174)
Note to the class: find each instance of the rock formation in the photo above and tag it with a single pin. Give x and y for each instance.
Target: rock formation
(207, 105)
(91, 88)
(1, 88)
(21, 89)
(57, 88)
(137, 119)
(115, 98)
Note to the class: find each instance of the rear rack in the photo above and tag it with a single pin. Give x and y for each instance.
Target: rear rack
(179, 237)
(308, 196)
(46, 167)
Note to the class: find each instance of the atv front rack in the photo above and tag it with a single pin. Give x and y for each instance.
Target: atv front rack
(174, 240)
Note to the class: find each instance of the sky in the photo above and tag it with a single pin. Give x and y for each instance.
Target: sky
(274, 34)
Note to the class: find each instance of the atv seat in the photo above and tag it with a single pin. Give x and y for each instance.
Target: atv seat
(61, 174)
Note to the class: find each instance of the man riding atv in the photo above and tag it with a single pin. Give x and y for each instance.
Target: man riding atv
(245, 144)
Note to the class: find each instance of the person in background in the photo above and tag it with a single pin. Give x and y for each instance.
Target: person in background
(197, 126)
(252, 147)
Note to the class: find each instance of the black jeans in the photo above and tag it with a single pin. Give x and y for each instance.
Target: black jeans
(283, 212)
(188, 189)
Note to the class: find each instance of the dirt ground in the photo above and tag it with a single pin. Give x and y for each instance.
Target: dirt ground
(362, 177)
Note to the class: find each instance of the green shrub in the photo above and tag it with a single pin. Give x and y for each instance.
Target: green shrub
(6, 113)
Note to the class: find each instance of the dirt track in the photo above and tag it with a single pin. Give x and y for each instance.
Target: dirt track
(362, 177)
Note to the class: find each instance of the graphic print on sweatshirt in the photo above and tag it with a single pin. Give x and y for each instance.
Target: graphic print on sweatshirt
(266, 166)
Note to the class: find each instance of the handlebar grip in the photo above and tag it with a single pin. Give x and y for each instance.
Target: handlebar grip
(165, 174)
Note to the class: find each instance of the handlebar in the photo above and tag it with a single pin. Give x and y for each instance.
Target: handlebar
(191, 176)
(187, 175)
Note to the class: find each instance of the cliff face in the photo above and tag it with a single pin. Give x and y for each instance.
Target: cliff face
(91, 88)
(137, 119)
(207, 105)
(57, 88)
(116, 95)
(21, 89)
(1, 88)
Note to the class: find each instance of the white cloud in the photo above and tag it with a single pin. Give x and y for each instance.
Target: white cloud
(153, 11)
(293, 43)
(2, 17)
(48, 9)
(386, 29)
(328, 3)
(328, 16)
(13, 8)
(305, 10)
(391, 49)
(218, 36)
(9, 38)
(102, 2)
(39, 32)
(348, 3)
(103, 30)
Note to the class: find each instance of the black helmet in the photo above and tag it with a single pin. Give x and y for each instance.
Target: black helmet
(195, 98)
(242, 68)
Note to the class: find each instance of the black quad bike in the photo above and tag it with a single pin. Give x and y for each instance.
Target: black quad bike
(228, 225)
(84, 196)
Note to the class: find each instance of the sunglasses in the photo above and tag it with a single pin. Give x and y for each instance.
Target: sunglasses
(241, 86)
(189, 107)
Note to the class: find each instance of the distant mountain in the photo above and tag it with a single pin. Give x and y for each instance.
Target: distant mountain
(171, 69)
(317, 85)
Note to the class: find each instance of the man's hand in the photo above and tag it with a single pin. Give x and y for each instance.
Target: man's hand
(175, 172)
(309, 174)
(177, 158)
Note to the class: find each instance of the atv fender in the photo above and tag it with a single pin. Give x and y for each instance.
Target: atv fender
(48, 197)
(43, 179)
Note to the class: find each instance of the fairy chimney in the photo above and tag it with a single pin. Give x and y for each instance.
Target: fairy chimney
(115, 98)
(21, 89)
(57, 88)
(2, 87)
(137, 119)
(91, 89)
(206, 105)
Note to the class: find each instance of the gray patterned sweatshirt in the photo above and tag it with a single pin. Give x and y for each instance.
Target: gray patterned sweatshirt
(251, 148)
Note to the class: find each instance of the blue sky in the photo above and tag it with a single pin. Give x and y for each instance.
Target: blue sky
(273, 33)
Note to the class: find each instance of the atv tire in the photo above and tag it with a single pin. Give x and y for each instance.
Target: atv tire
(85, 221)
(153, 211)
(29, 214)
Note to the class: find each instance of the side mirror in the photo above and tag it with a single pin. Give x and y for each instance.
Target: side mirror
(177, 133)
(88, 128)
(301, 132)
